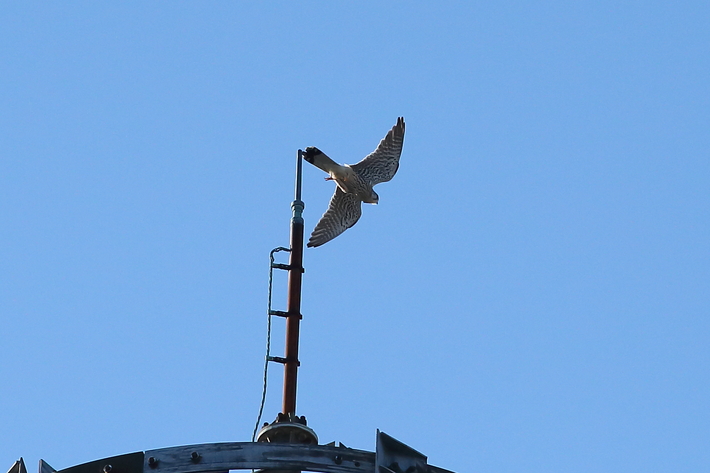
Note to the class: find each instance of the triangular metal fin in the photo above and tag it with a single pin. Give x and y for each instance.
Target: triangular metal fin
(45, 468)
(393, 456)
(18, 467)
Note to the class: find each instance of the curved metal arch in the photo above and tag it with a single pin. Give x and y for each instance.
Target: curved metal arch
(221, 457)
(392, 457)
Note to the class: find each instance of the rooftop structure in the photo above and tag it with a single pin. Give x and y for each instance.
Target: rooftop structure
(286, 445)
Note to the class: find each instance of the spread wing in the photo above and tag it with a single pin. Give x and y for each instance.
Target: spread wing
(343, 212)
(382, 164)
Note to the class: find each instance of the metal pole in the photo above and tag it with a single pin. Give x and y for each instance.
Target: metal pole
(294, 297)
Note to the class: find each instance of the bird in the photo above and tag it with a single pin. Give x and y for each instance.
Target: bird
(354, 183)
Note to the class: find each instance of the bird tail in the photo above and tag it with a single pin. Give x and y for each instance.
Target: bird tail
(317, 158)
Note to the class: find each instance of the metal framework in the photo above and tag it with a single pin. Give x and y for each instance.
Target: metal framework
(285, 446)
(391, 456)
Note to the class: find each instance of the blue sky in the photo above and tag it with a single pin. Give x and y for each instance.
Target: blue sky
(531, 293)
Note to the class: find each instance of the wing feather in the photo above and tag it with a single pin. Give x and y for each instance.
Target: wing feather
(343, 212)
(381, 165)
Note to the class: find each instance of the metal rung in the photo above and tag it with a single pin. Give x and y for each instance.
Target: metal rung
(283, 361)
(281, 313)
(286, 267)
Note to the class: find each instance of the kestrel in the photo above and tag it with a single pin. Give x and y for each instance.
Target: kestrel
(354, 183)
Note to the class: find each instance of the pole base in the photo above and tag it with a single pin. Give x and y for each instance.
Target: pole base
(288, 428)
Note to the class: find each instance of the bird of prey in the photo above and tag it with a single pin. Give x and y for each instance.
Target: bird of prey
(354, 183)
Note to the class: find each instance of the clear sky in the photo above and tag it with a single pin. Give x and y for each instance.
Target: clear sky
(530, 294)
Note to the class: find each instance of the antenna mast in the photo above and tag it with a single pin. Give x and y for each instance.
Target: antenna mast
(288, 427)
(293, 304)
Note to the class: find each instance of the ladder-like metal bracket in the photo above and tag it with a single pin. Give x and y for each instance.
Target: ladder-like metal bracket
(281, 313)
(287, 267)
(283, 361)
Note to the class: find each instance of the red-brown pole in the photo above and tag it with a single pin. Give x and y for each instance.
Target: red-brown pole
(294, 297)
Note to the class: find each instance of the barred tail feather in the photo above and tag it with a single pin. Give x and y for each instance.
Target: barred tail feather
(317, 158)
